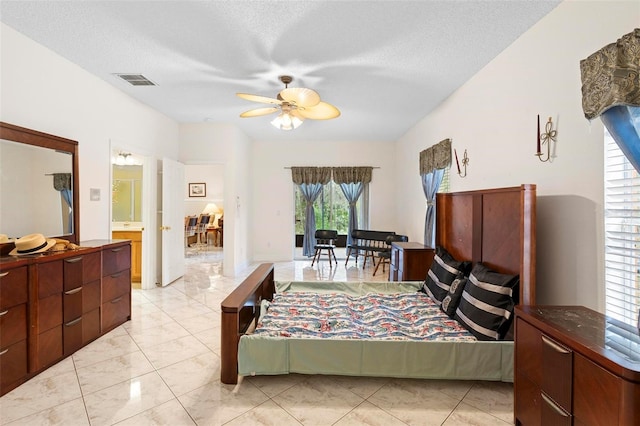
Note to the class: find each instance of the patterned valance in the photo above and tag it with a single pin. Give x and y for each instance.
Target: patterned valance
(610, 76)
(436, 157)
(352, 174)
(62, 181)
(310, 175)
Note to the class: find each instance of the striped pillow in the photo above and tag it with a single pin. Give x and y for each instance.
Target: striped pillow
(486, 306)
(444, 270)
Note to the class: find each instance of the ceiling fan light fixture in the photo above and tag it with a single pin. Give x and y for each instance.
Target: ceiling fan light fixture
(286, 121)
(295, 105)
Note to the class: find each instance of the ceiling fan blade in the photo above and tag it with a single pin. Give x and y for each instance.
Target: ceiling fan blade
(259, 111)
(258, 98)
(300, 96)
(322, 111)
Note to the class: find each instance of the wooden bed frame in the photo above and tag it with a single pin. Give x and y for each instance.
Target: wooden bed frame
(494, 226)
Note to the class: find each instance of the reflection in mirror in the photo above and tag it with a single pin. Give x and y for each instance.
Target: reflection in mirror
(36, 190)
(38, 184)
(127, 193)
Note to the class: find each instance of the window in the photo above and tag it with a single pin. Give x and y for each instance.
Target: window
(332, 209)
(445, 184)
(622, 235)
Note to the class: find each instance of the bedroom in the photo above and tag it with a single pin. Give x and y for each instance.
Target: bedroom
(545, 59)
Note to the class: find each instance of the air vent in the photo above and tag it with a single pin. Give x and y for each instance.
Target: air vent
(136, 79)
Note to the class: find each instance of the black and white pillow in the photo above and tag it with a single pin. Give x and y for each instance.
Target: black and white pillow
(452, 299)
(486, 305)
(444, 270)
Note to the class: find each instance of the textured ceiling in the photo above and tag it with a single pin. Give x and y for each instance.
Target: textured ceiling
(384, 64)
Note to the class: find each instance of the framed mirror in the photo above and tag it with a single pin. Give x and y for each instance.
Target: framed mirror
(38, 184)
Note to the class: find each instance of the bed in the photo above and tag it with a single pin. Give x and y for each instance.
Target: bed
(494, 227)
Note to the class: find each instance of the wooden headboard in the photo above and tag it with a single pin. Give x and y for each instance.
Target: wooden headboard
(496, 227)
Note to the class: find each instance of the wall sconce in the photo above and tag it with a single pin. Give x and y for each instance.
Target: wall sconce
(465, 161)
(545, 138)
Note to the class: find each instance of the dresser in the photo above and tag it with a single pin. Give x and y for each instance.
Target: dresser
(52, 304)
(410, 261)
(575, 366)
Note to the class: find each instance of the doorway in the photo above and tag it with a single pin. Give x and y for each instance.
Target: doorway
(204, 189)
(127, 206)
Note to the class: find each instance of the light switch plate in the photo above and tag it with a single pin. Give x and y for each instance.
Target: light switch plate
(94, 194)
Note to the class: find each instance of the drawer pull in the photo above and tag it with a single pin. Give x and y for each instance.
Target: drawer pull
(115, 250)
(4, 274)
(116, 300)
(75, 321)
(4, 352)
(117, 275)
(74, 260)
(74, 291)
(4, 313)
(553, 405)
(554, 345)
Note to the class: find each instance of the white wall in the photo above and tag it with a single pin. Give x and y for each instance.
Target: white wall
(210, 174)
(273, 218)
(493, 116)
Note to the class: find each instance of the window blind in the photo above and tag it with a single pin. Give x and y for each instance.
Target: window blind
(622, 235)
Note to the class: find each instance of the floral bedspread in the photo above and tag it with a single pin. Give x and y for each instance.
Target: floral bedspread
(403, 316)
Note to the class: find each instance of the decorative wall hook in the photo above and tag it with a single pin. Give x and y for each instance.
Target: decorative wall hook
(545, 138)
(465, 161)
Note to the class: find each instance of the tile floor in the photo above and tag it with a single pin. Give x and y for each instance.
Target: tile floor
(162, 368)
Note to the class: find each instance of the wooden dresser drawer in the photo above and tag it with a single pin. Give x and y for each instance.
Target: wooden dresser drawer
(13, 287)
(90, 296)
(50, 278)
(552, 413)
(49, 312)
(90, 326)
(116, 285)
(13, 325)
(557, 361)
(72, 304)
(116, 259)
(81, 269)
(72, 336)
(115, 312)
(592, 380)
(13, 364)
(49, 347)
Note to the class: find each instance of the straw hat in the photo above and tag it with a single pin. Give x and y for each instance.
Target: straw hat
(32, 243)
(4, 239)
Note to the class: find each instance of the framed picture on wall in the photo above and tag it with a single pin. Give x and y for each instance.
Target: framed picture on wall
(197, 190)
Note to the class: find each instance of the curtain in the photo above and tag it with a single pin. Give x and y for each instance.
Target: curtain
(611, 90)
(430, 184)
(62, 183)
(352, 181)
(433, 161)
(310, 180)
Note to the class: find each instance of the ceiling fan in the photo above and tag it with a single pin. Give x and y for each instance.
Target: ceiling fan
(295, 104)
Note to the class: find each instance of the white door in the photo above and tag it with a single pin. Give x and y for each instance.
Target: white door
(172, 224)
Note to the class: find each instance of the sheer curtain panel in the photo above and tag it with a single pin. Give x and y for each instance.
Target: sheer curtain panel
(310, 180)
(352, 181)
(433, 162)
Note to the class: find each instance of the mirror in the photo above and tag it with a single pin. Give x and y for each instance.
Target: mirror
(126, 192)
(38, 184)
